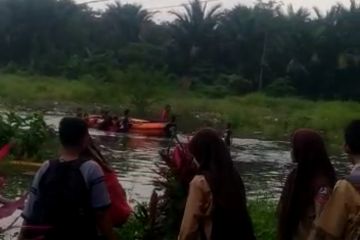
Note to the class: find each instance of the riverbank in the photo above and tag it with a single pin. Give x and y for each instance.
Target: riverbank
(262, 214)
(254, 115)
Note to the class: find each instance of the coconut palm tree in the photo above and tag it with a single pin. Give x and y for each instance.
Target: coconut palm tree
(124, 23)
(193, 31)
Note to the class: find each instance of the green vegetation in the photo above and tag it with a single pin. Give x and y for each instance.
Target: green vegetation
(262, 214)
(28, 134)
(254, 115)
(281, 50)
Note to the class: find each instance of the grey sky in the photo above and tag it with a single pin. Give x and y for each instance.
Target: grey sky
(324, 5)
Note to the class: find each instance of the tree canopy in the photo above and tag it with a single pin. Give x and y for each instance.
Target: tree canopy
(246, 48)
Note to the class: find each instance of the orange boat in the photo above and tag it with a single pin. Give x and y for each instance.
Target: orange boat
(138, 126)
(148, 128)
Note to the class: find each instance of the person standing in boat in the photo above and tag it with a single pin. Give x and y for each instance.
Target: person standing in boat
(228, 135)
(307, 187)
(165, 115)
(125, 122)
(68, 198)
(216, 203)
(171, 128)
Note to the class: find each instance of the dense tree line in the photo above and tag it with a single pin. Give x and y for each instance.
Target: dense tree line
(267, 46)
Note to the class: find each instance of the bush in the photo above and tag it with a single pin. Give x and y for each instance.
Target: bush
(280, 88)
(216, 91)
(236, 84)
(29, 132)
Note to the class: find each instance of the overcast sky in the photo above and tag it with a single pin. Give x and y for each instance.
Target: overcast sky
(324, 5)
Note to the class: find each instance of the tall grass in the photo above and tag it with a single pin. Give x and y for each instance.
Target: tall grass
(255, 114)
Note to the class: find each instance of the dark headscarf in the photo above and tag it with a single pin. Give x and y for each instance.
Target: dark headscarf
(230, 216)
(313, 171)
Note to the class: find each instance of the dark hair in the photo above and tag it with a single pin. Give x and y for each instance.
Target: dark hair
(228, 125)
(230, 215)
(352, 137)
(72, 132)
(126, 112)
(314, 170)
(173, 118)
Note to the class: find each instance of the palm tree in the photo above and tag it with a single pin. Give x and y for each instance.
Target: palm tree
(193, 31)
(125, 22)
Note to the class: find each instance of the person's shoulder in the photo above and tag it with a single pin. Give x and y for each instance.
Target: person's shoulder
(199, 181)
(91, 169)
(44, 167)
(343, 187)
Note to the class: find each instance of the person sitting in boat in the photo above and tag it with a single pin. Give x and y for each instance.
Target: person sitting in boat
(69, 198)
(171, 128)
(165, 115)
(106, 124)
(228, 135)
(115, 124)
(125, 123)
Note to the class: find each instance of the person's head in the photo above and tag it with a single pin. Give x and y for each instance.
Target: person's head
(352, 140)
(228, 125)
(79, 112)
(115, 119)
(308, 148)
(313, 169)
(73, 134)
(210, 151)
(173, 119)
(126, 112)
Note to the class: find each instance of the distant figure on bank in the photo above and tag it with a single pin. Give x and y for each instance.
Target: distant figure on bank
(171, 128)
(216, 204)
(165, 115)
(125, 122)
(307, 187)
(68, 198)
(340, 218)
(79, 113)
(228, 135)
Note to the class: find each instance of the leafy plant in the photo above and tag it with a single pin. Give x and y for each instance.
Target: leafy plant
(29, 133)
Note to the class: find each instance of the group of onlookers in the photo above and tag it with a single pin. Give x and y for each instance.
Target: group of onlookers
(69, 200)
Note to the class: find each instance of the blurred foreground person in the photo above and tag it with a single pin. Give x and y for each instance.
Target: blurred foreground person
(307, 187)
(340, 218)
(216, 204)
(68, 198)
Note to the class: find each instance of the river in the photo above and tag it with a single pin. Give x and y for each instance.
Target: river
(262, 164)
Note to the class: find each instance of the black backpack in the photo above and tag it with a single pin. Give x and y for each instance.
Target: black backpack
(64, 203)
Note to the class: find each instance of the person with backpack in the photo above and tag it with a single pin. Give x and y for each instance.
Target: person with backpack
(68, 198)
(340, 218)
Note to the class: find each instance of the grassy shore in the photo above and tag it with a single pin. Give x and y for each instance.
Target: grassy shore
(262, 214)
(252, 115)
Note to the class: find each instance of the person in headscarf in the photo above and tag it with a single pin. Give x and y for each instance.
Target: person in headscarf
(216, 204)
(340, 218)
(307, 187)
